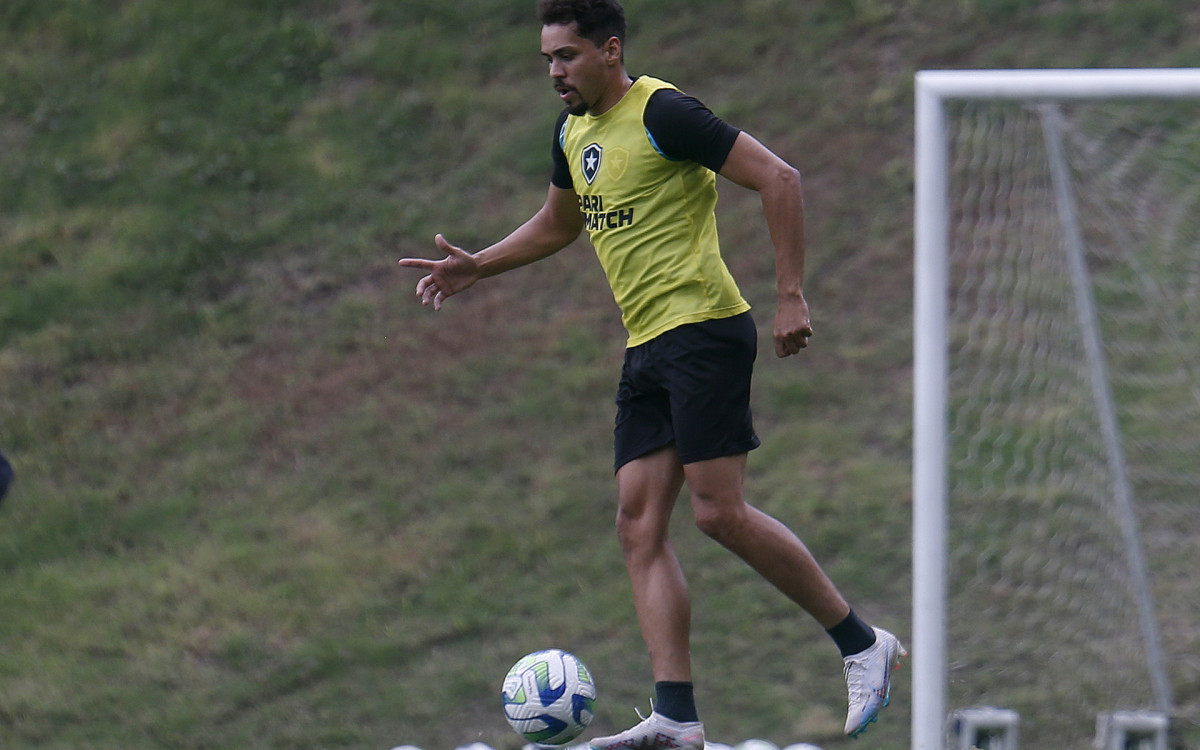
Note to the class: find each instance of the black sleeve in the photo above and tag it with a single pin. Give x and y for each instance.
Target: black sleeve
(561, 178)
(683, 128)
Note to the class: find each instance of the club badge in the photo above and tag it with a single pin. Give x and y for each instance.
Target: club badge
(591, 161)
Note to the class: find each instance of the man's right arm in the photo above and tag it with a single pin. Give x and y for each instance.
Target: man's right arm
(552, 228)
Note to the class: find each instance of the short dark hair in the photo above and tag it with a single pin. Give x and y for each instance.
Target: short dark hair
(597, 20)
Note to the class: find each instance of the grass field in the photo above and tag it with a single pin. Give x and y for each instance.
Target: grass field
(265, 500)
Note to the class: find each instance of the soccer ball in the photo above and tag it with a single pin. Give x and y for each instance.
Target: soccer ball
(549, 697)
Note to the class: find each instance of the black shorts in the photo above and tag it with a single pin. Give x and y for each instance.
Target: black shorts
(689, 386)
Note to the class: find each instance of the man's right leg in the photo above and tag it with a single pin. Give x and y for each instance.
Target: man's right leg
(647, 489)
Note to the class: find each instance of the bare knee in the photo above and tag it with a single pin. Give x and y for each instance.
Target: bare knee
(639, 533)
(721, 519)
(627, 528)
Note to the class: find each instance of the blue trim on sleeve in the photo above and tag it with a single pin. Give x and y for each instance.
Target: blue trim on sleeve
(658, 148)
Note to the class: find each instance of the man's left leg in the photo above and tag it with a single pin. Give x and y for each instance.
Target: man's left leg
(778, 555)
(763, 542)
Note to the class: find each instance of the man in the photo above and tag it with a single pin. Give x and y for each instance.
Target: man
(635, 163)
(6, 475)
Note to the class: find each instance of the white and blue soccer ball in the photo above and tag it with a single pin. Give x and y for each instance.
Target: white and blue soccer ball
(549, 697)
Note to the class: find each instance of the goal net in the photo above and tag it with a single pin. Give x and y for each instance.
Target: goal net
(1057, 405)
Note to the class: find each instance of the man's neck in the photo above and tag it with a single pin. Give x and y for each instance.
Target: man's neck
(616, 93)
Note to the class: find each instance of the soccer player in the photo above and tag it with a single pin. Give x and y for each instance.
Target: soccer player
(6, 475)
(635, 163)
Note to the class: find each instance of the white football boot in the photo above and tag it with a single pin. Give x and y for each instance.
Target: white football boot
(869, 680)
(656, 732)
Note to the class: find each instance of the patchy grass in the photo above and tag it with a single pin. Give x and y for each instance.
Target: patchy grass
(265, 500)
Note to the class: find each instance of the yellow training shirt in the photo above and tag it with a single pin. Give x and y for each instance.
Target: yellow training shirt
(651, 220)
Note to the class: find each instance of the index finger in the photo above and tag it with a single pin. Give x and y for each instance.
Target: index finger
(422, 263)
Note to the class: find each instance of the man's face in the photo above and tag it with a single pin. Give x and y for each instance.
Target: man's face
(578, 68)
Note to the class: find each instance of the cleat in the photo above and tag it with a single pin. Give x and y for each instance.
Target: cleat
(656, 732)
(869, 680)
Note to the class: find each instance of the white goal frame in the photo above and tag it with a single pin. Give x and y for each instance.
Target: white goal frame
(930, 340)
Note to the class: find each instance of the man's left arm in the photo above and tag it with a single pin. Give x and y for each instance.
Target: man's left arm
(752, 165)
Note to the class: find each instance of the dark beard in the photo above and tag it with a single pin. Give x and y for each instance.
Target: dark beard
(577, 109)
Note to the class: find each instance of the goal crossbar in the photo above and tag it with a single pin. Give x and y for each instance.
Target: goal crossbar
(931, 303)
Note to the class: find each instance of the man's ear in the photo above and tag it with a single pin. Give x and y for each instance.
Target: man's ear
(612, 50)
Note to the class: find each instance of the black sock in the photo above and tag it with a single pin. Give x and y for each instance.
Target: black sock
(852, 635)
(675, 701)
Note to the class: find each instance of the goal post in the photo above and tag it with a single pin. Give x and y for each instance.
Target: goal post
(938, 210)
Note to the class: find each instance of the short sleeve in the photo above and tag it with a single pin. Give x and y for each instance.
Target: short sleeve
(682, 128)
(561, 177)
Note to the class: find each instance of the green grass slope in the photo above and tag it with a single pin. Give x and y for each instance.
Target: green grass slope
(267, 501)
